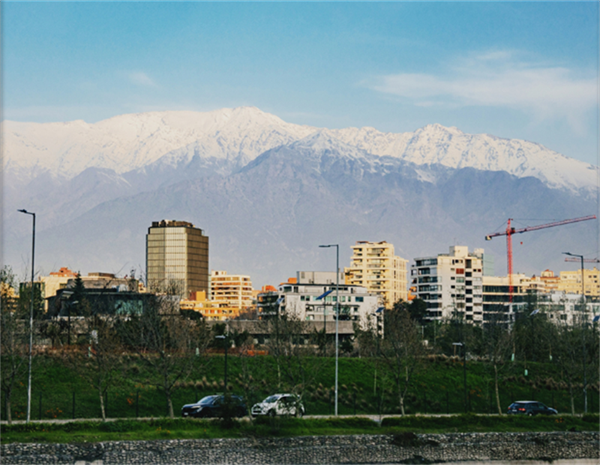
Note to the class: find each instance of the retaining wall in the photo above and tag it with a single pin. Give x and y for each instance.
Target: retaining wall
(317, 450)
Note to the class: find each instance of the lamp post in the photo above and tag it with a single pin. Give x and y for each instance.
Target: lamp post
(585, 405)
(226, 341)
(30, 315)
(460, 344)
(337, 316)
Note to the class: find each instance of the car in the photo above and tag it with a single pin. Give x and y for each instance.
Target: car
(530, 408)
(279, 404)
(215, 406)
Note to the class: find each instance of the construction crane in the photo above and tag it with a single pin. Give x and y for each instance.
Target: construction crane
(509, 233)
(585, 260)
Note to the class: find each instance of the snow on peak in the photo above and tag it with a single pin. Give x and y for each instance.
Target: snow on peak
(132, 141)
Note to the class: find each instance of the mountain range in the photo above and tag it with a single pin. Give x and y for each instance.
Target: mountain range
(268, 192)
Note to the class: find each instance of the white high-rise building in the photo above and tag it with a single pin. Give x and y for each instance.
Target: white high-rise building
(451, 283)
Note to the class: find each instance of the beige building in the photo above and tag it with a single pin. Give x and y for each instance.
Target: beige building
(570, 282)
(235, 290)
(57, 280)
(375, 267)
(208, 309)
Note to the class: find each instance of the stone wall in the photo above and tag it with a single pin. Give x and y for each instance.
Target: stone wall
(401, 448)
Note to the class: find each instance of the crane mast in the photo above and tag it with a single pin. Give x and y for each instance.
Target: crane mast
(509, 233)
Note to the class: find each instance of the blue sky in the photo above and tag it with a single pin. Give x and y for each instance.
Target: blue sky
(517, 70)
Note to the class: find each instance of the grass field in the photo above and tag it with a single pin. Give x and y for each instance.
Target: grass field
(59, 392)
(284, 427)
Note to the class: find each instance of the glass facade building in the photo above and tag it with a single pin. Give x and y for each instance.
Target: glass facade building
(176, 258)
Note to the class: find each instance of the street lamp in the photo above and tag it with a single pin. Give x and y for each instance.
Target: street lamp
(226, 341)
(585, 409)
(337, 316)
(460, 344)
(30, 315)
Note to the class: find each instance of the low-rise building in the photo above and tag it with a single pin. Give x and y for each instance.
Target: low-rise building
(356, 304)
(209, 309)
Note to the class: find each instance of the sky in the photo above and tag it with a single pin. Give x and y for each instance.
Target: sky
(518, 70)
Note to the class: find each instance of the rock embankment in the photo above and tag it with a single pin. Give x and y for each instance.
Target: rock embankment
(317, 450)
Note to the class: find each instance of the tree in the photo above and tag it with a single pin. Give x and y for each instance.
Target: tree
(496, 342)
(287, 333)
(401, 350)
(14, 341)
(169, 345)
(98, 360)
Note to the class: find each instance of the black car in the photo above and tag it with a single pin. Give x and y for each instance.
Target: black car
(530, 408)
(215, 406)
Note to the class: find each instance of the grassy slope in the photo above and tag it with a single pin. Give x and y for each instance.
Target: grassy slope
(437, 388)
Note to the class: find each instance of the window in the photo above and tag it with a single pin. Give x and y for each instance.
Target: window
(359, 299)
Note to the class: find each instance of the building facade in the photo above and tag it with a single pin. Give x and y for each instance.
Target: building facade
(356, 303)
(375, 267)
(451, 283)
(234, 290)
(176, 258)
(570, 282)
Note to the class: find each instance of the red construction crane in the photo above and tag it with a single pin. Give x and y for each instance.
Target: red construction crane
(510, 231)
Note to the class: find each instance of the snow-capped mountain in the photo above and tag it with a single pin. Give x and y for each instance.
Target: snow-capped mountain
(233, 137)
(133, 141)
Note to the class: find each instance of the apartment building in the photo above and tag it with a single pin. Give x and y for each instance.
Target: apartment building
(233, 290)
(219, 311)
(451, 283)
(356, 304)
(375, 267)
(176, 258)
(570, 282)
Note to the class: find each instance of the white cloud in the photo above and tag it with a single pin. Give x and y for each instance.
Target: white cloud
(141, 79)
(500, 79)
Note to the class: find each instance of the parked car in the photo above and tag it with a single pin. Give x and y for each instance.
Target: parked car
(530, 408)
(215, 406)
(279, 404)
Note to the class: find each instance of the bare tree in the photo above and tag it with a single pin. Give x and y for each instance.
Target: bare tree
(98, 361)
(401, 350)
(169, 345)
(497, 342)
(14, 340)
(296, 365)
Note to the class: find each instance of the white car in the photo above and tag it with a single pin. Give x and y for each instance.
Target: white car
(279, 404)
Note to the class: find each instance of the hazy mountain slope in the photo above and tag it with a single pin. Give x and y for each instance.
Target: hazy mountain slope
(268, 219)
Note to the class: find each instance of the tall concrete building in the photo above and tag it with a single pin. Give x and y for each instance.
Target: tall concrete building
(375, 267)
(176, 258)
(451, 282)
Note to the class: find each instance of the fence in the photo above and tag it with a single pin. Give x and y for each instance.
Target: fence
(151, 402)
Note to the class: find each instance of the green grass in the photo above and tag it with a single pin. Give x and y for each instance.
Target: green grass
(437, 388)
(86, 431)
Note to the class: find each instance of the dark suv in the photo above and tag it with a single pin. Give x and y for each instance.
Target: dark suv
(215, 406)
(530, 408)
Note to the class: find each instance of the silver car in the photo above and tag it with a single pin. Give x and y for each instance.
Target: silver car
(279, 404)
